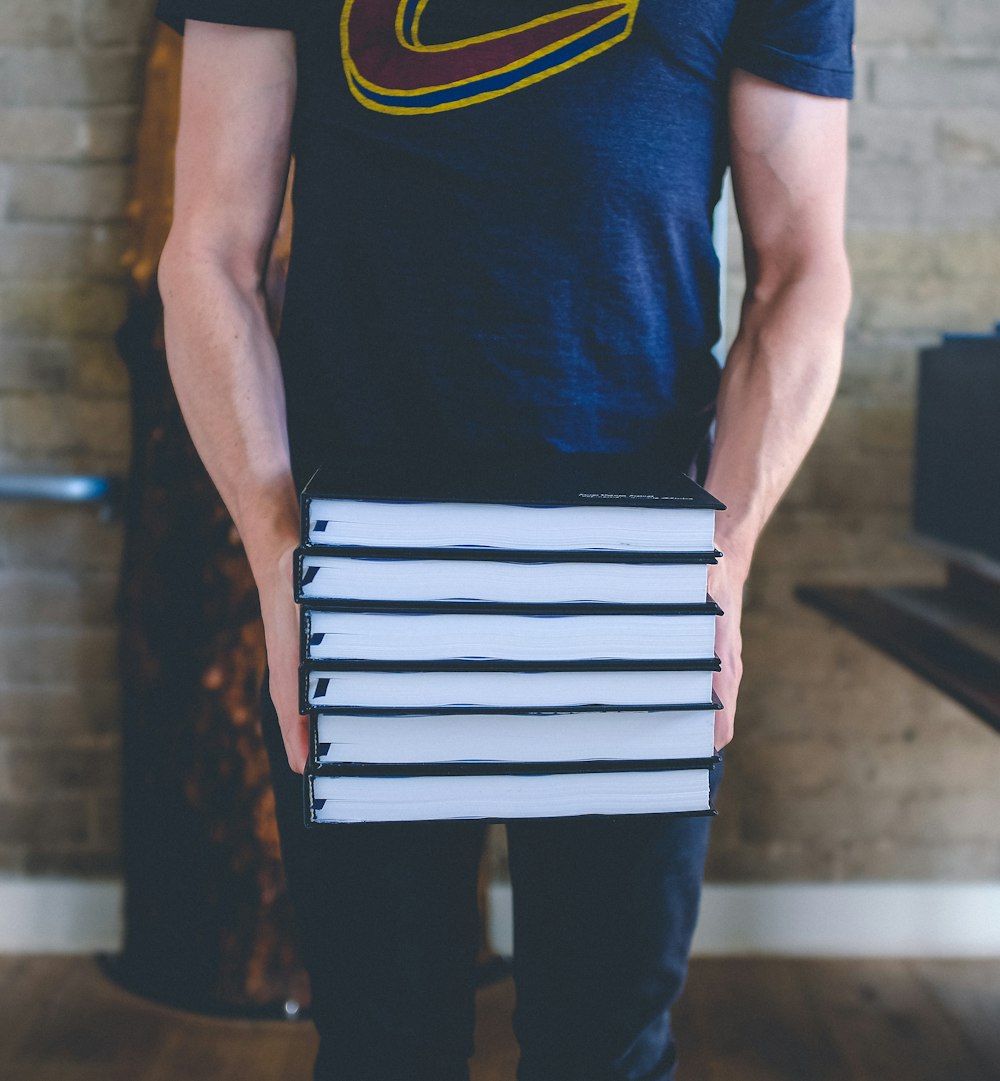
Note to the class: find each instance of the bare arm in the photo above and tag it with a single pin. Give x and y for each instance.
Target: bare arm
(789, 154)
(237, 95)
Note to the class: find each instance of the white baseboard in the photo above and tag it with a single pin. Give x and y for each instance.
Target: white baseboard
(842, 919)
(850, 919)
(60, 915)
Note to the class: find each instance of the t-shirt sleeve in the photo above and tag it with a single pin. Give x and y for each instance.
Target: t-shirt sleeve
(273, 14)
(805, 45)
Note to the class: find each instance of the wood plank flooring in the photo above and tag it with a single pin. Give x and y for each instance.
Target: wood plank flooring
(739, 1020)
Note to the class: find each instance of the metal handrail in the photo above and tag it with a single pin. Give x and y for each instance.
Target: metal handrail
(60, 488)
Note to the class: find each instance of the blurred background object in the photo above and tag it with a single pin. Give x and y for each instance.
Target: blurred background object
(207, 917)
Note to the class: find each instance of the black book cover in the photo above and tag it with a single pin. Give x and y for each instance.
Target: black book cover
(488, 769)
(569, 481)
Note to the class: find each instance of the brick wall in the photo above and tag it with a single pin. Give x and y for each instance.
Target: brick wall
(845, 765)
(70, 83)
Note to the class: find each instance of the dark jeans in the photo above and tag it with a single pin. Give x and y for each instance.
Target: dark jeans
(604, 911)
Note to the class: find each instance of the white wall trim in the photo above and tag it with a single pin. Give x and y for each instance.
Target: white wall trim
(841, 919)
(846, 919)
(60, 915)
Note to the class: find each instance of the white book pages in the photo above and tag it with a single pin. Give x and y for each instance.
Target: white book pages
(397, 799)
(428, 636)
(372, 579)
(516, 737)
(515, 690)
(487, 525)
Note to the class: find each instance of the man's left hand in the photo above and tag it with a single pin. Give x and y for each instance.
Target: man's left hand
(725, 584)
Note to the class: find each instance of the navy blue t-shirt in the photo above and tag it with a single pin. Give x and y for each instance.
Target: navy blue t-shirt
(503, 216)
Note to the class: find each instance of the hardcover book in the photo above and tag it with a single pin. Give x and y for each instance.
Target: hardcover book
(350, 738)
(498, 633)
(347, 575)
(526, 792)
(512, 684)
(562, 513)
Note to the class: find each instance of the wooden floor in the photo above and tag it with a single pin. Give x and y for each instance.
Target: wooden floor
(740, 1020)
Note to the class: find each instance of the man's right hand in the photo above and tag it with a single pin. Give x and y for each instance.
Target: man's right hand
(281, 634)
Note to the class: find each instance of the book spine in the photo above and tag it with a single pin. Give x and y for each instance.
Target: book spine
(304, 502)
(309, 807)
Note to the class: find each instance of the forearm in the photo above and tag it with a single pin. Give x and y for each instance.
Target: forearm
(224, 366)
(776, 388)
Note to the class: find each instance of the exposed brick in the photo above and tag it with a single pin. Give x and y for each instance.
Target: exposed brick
(45, 821)
(106, 821)
(56, 599)
(99, 369)
(86, 428)
(67, 656)
(878, 374)
(63, 134)
(884, 23)
(111, 460)
(111, 133)
(972, 22)
(33, 422)
(973, 255)
(103, 425)
(70, 76)
(89, 707)
(876, 253)
(56, 537)
(969, 136)
(62, 250)
(117, 22)
(74, 863)
(848, 479)
(41, 134)
(935, 82)
(33, 309)
(12, 859)
(887, 428)
(884, 196)
(962, 305)
(892, 135)
(34, 366)
(91, 193)
(5, 181)
(945, 197)
(953, 858)
(38, 22)
(62, 769)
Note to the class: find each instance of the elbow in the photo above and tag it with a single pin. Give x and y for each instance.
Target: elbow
(819, 277)
(169, 273)
(190, 266)
(833, 284)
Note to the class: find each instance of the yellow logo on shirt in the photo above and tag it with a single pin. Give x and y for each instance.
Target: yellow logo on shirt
(390, 70)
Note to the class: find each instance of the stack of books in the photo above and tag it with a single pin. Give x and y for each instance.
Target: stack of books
(531, 655)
